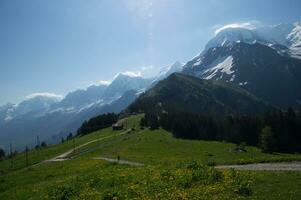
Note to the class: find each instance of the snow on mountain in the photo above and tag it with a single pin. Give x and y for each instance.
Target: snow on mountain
(39, 104)
(295, 39)
(46, 115)
(175, 67)
(166, 71)
(255, 67)
(285, 38)
(225, 66)
(233, 35)
(124, 82)
(82, 97)
(36, 104)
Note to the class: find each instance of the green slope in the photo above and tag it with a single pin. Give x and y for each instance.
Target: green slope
(165, 176)
(189, 94)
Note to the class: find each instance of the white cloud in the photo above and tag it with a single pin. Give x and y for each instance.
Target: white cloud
(129, 73)
(104, 82)
(44, 94)
(132, 74)
(247, 25)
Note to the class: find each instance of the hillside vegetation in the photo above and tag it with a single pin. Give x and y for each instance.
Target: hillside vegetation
(183, 93)
(174, 169)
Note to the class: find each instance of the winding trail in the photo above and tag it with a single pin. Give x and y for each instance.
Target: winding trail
(282, 166)
(67, 154)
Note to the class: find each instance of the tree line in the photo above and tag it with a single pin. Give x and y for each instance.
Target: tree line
(96, 123)
(276, 130)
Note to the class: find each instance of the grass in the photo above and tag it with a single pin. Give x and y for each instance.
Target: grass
(159, 147)
(276, 185)
(83, 178)
(169, 173)
(36, 156)
(90, 179)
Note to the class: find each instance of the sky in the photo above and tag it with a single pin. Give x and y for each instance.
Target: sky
(59, 46)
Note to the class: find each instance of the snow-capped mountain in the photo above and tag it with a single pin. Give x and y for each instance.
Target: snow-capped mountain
(230, 35)
(80, 99)
(166, 71)
(125, 82)
(47, 115)
(295, 40)
(246, 58)
(34, 105)
(285, 38)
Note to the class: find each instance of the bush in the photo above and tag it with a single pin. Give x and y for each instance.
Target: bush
(240, 184)
(185, 181)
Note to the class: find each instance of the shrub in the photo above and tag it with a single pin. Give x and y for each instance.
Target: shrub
(185, 181)
(240, 184)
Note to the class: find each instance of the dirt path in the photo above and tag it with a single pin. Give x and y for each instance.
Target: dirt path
(282, 166)
(67, 154)
(288, 166)
(123, 162)
(285, 166)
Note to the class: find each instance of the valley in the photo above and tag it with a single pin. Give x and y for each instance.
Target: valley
(150, 100)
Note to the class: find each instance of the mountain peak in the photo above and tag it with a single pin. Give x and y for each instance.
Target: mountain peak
(287, 35)
(256, 67)
(165, 72)
(122, 75)
(176, 65)
(230, 35)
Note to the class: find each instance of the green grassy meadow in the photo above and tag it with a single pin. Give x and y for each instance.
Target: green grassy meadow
(174, 169)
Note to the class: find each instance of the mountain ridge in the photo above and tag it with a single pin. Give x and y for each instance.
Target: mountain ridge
(184, 93)
(255, 67)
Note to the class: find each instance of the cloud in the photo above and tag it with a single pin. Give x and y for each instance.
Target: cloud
(104, 82)
(246, 25)
(129, 73)
(44, 94)
(132, 74)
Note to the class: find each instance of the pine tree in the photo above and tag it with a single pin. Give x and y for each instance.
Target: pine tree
(267, 139)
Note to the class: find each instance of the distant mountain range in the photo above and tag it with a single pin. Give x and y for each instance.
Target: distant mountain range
(51, 118)
(244, 71)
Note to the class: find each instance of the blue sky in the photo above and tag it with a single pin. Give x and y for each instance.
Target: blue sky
(58, 46)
